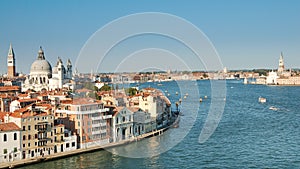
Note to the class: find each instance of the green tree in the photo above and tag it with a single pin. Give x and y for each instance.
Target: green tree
(105, 88)
(131, 91)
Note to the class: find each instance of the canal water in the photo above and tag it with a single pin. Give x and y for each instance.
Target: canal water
(249, 134)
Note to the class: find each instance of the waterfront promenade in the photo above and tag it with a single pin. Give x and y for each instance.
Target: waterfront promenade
(24, 162)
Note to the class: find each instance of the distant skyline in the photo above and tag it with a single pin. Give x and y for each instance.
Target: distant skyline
(246, 34)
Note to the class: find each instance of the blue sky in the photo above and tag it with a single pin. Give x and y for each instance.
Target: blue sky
(246, 34)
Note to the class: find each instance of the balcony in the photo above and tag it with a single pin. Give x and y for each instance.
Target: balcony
(107, 117)
(97, 118)
(96, 132)
(83, 111)
(44, 139)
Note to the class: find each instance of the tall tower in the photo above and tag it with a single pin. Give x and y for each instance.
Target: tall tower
(11, 67)
(69, 69)
(281, 64)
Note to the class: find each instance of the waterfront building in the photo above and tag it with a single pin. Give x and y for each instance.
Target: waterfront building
(87, 118)
(157, 104)
(63, 139)
(272, 78)
(42, 76)
(10, 142)
(281, 77)
(36, 122)
(11, 63)
(122, 123)
(142, 123)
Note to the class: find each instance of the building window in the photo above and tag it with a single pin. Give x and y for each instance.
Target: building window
(5, 151)
(29, 127)
(67, 145)
(28, 144)
(15, 149)
(5, 137)
(123, 118)
(23, 145)
(24, 137)
(15, 136)
(29, 137)
(23, 128)
(73, 144)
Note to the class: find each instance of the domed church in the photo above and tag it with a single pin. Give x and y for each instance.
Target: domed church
(43, 76)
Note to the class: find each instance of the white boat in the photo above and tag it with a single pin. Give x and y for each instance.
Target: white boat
(273, 108)
(176, 93)
(262, 100)
(245, 80)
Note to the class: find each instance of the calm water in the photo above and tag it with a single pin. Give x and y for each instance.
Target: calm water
(250, 135)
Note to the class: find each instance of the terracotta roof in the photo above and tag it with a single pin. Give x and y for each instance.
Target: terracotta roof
(9, 88)
(82, 101)
(9, 127)
(28, 100)
(2, 115)
(23, 95)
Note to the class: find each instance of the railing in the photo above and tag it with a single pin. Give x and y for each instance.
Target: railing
(83, 111)
(96, 132)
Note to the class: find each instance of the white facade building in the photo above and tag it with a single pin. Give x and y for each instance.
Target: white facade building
(122, 123)
(272, 78)
(10, 142)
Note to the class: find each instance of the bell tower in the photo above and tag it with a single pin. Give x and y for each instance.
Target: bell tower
(11, 63)
(281, 64)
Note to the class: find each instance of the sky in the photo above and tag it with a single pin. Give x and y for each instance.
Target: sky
(247, 34)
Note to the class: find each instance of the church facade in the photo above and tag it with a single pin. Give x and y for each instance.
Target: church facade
(43, 77)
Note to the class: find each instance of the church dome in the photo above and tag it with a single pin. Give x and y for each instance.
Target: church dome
(41, 66)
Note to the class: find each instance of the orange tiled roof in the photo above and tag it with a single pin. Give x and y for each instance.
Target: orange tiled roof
(28, 100)
(9, 127)
(9, 88)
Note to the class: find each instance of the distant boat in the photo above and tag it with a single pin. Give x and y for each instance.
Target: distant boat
(262, 100)
(159, 84)
(176, 93)
(273, 108)
(205, 97)
(200, 100)
(245, 80)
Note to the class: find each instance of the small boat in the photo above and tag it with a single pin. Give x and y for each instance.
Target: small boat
(184, 97)
(159, 84)
(273, 108)
(245, 80)
(186, 94)
(205, 97)
(176, 93)
(262, 100)
(200, 100)
(168, 94)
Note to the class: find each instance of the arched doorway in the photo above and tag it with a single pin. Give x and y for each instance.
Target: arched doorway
(124, 133)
